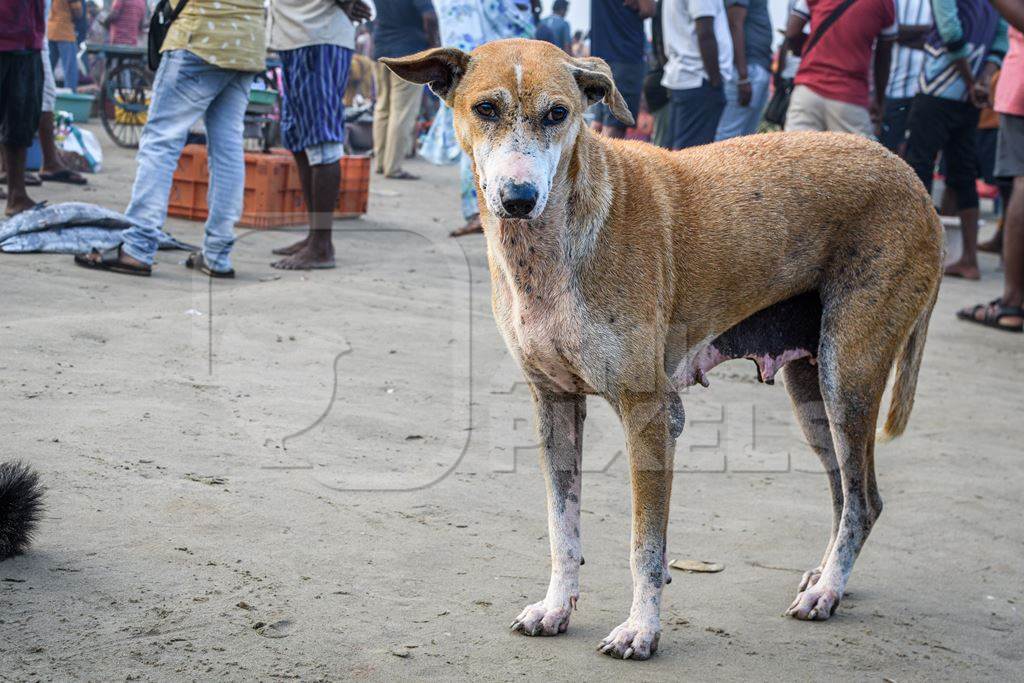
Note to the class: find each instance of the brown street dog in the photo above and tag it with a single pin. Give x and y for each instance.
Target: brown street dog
(627, 271)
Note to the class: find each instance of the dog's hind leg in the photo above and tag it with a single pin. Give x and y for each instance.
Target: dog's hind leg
(803, 385)
(852, 382)
(560, 428)
(647, 422)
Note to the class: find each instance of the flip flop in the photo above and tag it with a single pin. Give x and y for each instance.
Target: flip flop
(402, 175)
(110, 260)
(994, 311)
(195, 261)
(65, 175)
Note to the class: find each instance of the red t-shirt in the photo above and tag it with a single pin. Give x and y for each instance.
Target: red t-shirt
(22, 25)
(838, 67)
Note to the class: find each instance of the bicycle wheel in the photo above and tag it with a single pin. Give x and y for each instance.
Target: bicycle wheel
(125, 103)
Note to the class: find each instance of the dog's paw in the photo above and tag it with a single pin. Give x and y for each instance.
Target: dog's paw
(540, 620)
(816, 603)
(630, 641)
(810, 578)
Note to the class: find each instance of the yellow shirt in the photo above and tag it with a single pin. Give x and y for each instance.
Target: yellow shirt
(61, 26)
(229, 34)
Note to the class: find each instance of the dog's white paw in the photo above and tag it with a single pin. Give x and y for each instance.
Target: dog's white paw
(540, 620)
(817, 602)
(630, 641)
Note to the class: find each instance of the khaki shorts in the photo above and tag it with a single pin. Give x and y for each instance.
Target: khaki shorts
(810, 111)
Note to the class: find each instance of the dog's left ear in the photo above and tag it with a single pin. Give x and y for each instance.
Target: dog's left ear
(594, 77)
(440, 68)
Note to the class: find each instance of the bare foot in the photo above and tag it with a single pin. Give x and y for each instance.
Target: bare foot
(472, 226)
(306, 259)
(291, 248)
(994, 245)
(16, 205)
(963, 270)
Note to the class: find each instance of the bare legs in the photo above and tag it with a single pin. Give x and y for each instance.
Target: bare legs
(320, 185)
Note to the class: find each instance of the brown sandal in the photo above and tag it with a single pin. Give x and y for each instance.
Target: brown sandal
(195, 261)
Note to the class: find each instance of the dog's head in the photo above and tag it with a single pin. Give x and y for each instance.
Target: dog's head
(518, 108)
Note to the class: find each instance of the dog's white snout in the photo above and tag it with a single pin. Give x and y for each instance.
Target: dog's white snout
(515, 184)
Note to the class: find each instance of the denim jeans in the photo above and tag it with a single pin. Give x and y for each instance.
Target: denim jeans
(66, 52)
(695, 114)
(185, 88)
(737, 120)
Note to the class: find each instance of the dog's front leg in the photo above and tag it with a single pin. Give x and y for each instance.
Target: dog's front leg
(560, 428)
(649, 422)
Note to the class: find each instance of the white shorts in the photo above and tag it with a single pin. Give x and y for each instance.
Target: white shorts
(49, 85)
(325, 153)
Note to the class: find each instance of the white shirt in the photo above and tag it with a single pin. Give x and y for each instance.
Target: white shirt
(684, 68)
(293, 24)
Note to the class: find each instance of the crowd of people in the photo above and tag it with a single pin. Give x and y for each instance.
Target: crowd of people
(917, 75)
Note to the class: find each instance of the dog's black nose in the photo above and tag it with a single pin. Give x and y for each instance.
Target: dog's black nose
(518, 199)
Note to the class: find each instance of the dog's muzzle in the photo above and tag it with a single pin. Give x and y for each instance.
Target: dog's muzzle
(519, 199)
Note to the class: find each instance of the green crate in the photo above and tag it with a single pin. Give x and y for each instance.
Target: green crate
(79, 106)
(263, 97)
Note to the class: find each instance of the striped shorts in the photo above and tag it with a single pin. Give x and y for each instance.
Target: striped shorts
(314, 84)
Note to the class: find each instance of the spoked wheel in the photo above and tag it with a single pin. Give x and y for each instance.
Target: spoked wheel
(124, 104)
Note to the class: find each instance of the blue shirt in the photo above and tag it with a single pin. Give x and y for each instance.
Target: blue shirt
(558, 31)
(757, 31)
(616, 32)
(964, 29)
(398, 27)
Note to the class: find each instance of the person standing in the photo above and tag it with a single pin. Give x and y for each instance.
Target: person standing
(965, 49)
(53, 170)
(617, 36)
(557, 27)
(125, 21)
(208, 60)
(22, 28)
(915, 21)
(831, 91)
(60, 31)
(1007, 312)
(315, 41)
(402, 27)
(747, 91)
(699, 49)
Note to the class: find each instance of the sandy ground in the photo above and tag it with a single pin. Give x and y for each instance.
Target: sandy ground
(330, 476)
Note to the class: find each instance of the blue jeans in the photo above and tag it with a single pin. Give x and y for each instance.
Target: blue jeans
(67, 52)
(695, 114)
(737, 120)
(185, 88)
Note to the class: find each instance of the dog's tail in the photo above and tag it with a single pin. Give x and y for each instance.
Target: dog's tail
(907, 367)
(21, 503)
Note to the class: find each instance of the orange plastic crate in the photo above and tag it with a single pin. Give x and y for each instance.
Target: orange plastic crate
(273, 190)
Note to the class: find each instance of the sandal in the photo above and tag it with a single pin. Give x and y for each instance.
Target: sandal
(994, 314)
(110, 260)
(195, 261)
(64, 175)
(402, 175)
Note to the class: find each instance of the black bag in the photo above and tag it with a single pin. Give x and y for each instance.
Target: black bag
(654, 92)
(778, 105)
(159, 25)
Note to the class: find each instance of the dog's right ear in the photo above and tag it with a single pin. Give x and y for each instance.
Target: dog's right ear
(440, 68)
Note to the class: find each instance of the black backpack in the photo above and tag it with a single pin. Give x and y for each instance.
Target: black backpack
(159, 25)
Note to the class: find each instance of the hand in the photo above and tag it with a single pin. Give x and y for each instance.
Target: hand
(876, 111)
(357, 10)
(980, 95)
(744, 93)
(715, 81)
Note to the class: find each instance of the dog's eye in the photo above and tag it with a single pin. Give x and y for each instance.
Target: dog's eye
(486, 110)
(556, 115)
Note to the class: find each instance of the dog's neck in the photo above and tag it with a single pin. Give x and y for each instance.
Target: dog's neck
(543, 255)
